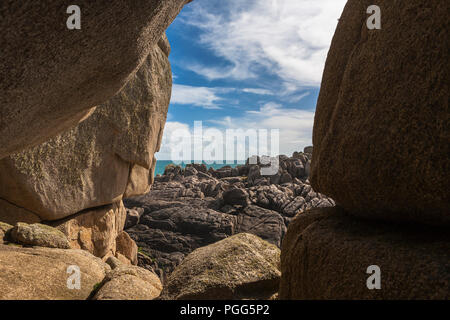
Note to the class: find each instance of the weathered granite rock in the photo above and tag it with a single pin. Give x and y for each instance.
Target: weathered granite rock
(171, 233)
(12, 214)
(238, 267)
(236, 196)
(52, 76)
(96, 163)
(133, 216)
(266, 224)
(38, 235)
(129, 283)
(94, 230)
(5, 231)
(113, 262)
(42, 273)
(326, 253)
(127, 247)
(381, 138)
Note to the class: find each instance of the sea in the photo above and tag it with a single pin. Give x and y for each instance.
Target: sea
(161, 165)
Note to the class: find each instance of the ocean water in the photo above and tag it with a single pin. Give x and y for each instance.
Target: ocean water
(161, 165)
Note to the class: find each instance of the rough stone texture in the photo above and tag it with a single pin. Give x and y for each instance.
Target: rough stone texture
(50, 77)
(41, 273)
(241, 266)
(185, 211)
(381, 134)
(325, 255)
(96, 163)
(124, 260)
(235, 196)
(129, 283)
(113, 262)
(126, 246)
(5, 231)
(39, 235)
(12, 214)
(266, 224)
(133, 217)
(94, 230)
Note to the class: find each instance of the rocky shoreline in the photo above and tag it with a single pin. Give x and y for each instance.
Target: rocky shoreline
(80, 121)
(194, 207)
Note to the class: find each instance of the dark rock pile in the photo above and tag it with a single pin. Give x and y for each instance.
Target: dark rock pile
(195, 206)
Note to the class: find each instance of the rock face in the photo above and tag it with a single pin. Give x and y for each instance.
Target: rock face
(238, 267)
(127, 247)
(9, 213)
(41, 273)
(193, 207)
(94, 230)
(113, 93)
(72, 171)
(76, 180)
(51, 77)
(326, 253)
(377, 102)
(381, 151)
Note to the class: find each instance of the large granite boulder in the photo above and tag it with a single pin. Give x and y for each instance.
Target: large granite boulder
(42, 273)
(326, 255)
(238, 267)
(381, 134)
(51, 77)
(105, 157)
(10, 213)
(128, 283)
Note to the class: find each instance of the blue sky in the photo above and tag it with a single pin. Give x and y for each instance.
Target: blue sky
(253, 64)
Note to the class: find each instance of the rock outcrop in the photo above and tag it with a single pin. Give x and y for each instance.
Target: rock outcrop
(76, 180)
(42, 270)
(81, 115)
(94, 230)
(193, 207)
(73, 171)
(239, 267)
(381, 151)
(384, 95)
(42, 273)
(51, 77)
(326, 253)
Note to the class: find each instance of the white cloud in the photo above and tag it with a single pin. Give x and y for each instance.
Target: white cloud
(294, 125)
(208, 98)
(288, 37)
(257, 91)
(198, 96)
